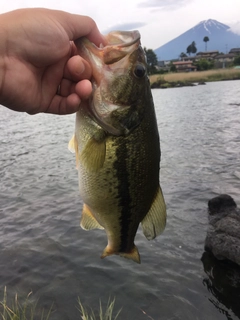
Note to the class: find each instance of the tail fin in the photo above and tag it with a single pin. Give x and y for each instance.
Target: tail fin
(132, 255)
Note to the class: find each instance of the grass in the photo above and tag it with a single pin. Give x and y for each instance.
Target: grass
(107, 315)
(20, 311)
(198, 76)
(27, 310)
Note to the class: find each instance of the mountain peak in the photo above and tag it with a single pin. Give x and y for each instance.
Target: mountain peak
(219, 39)
(211, 24)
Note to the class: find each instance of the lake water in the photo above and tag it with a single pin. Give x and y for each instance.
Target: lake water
(43, 249)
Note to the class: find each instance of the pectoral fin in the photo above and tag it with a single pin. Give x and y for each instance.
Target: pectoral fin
(72, 144)
(93, 155)
(73, 147)
(154, 222)
(88, 222)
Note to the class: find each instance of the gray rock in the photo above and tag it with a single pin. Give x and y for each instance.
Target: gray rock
(223, 235)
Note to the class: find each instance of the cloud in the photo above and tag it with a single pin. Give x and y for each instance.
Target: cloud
(235, 27)
(164, 4)
(125, 26)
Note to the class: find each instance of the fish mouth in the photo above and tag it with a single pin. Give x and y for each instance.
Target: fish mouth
(123, 38)
(118, 45)
(103, 59)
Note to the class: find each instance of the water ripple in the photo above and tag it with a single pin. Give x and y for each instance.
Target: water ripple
(44, 250)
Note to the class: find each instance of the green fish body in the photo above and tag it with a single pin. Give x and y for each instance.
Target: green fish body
(117, 146)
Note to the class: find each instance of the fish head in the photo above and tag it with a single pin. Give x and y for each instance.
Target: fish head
(119, 79)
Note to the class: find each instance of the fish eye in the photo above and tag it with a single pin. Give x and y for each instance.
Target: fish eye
(139, 71)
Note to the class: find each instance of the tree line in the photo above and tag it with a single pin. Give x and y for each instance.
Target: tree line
(193, 49)
(202, 64)
(152, 60)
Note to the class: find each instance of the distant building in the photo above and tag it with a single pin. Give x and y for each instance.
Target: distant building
(236, 51)
(184, 66)
(209, 55)
(225, 57)
(193, 58)
(168, 62)
(163, 66)
(160, 64)
(224, 60)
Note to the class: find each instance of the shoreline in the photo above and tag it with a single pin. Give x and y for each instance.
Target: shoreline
(190, 79)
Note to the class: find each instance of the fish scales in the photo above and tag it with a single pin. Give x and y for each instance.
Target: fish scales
(117, 149)
(135, 170)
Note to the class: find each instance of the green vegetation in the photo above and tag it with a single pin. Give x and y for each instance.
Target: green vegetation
(192, 48)
(107, 315)
(236, 61)
(206, 39)
(162, 71)
(178, 79)
(173, 67)
(20, 311)
(27, 310)
(204, 64)
(164, 84)
(152, 60)
(183, 55)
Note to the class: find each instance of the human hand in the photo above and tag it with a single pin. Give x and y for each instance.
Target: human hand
(40, 70)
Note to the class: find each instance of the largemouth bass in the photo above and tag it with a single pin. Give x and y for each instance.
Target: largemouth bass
(117, 147)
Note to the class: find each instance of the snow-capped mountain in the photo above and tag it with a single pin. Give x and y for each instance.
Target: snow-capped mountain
(220, 36)
(210, 26)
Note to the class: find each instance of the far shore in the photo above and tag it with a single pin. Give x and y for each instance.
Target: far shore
(180, 79)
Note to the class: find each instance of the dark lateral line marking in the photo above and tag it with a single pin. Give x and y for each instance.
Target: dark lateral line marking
(124, 197)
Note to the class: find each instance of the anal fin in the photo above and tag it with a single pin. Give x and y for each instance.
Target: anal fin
(155, 221)
(88, 222)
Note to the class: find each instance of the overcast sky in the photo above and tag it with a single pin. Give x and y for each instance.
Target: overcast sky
(158, 21)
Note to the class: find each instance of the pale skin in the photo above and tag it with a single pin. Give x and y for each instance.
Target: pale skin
(40, 70)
